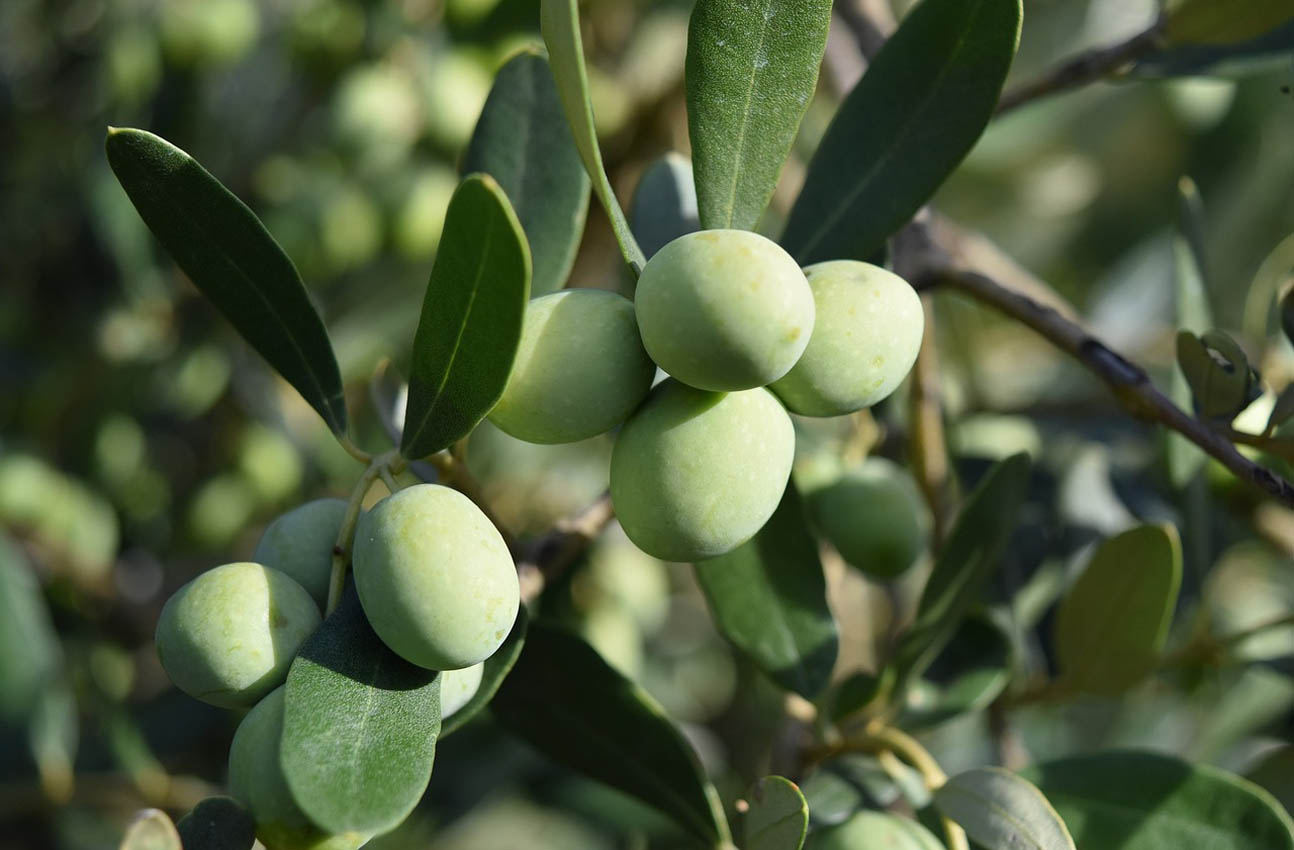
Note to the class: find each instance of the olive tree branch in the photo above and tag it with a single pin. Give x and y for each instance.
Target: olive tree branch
(550, 555)
(383, 464)
(1087, 67)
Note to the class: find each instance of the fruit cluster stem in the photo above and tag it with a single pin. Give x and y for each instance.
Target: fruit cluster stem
(383, 466)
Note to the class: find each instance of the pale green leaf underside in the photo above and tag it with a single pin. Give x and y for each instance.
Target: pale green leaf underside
(1001, 811)
(777, 817)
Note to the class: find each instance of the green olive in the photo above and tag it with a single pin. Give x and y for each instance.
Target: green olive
(724, 310)
(580, 368)
(435, 577)
(864, 342)
(457, 687)
(300, 543)
(866, 829)
(228, 636)
(872, 515)
(256, 780)
(695, 474)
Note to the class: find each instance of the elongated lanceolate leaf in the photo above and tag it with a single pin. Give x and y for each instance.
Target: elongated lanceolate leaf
(497, 666)
(471, 319)
(752, 66)
(664, 203)
(915, 114)
(1113, 622)
(969, 558)
(775, 816)
(233, 260)
(359, 727)
(560, 22)
(524, 143)
(1126, 800)
(575, 708)
(1001, 811)
(769, 597)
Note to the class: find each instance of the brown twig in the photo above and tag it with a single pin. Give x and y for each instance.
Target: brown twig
(552, 554)
(1086, 67)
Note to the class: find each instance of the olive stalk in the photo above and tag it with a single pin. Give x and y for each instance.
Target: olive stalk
(380, 467)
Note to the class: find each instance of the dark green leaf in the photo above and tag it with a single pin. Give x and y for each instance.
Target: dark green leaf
(560, 22)
(471, 319)
(1218, 373)
(29, 650)
(853, 693)
(968, 560)
(229, 255)
(1113, 622)
(572, 706)
(752, 66)
(522, 141)
(776, 816)
(664, 204)
(217, 823)
(151, 829)
(1001, 811)
(1224, 21)
(359, 727)
(769, 597)
(972, 670)
(1145, 801)
(915, 114)
(1267, 51)
(497, 666)
(1185, 459)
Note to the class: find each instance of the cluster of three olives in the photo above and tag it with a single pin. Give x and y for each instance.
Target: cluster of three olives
(436, 582)
(702, 459)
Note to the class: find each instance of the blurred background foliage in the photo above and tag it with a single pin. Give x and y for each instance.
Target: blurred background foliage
(141, 442)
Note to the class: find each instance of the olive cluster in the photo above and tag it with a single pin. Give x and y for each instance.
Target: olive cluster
(437, 584)
(744, 335)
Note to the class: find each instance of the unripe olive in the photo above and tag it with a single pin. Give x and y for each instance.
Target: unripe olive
(256, 780)
(435, 577)
(872, 515)
(228, 636)
(580, 370)
(724, 310)
(865, 340)
(457, 687)
(866, 829)
(300, 543)
(695, 474)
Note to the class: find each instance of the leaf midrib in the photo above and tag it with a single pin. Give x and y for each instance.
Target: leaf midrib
(1021, 827)
(740, 158)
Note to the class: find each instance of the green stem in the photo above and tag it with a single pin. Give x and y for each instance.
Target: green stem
(382, 464)
(354, 450)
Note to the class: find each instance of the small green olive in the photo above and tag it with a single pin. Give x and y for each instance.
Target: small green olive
(435, 577)
(724, 310)
(300, 543)
(457, 687)
(228, 636)
(695, 474)
(865, 340)
(872, 515)
(256, 780)
(580, 370)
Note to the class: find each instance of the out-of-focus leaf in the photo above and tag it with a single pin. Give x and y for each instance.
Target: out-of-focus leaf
(522, 141)
(841, 786)
(231, 257)
(769, 597)
(917, 111)
(1218, 372)
(853, 693)
(664, 205)
(359, 727)
(1146, 801)
(1224, 21)
(575, 708)
(217, 823)
(53, 736)
(151, 829)
(776, 816)
(866, 830)
(560, 22)
(1283, 409)
(1266, 51)
(1113, 622)
(29, 650)
(1185, 459)
(497, 666)
(1001, 811)
(752, 66)
(973, 668)
(471, 319)
(969, 558)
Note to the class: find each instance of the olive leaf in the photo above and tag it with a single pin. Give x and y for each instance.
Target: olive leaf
(497, 667)
(151, 829)
(229, 255)
(664, 205)
(1001, 811)
(1283, 409)
(1223, 21)
(522, 142)
(916, 113)
(217, 823)
(769, 598)
(29, 649)
(970, 672)
(751, 71)
(1267, 51)
(1221, 380)
(471, 319)
(560, 23)
(359, 726)
(1185, 459)
(1113, 622)
(774, 816)
(1147, 801)
(575, 708)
